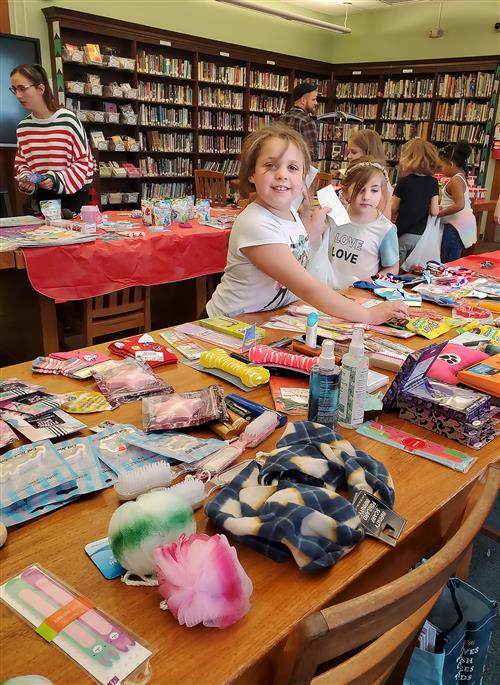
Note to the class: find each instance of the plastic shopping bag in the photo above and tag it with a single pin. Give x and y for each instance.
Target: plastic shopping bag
(428, 247)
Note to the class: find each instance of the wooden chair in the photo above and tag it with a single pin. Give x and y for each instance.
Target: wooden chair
(211, 185)
(387, 619)
(322, 179)
(119, 311)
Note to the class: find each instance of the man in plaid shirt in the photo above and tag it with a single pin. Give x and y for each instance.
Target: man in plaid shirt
(305, 97)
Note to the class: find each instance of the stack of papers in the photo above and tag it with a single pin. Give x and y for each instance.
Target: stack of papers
(43, 236)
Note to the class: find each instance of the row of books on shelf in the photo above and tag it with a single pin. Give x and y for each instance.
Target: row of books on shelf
(119, 198)
(216, 119)
(229, 167)
(466, 110)
(91, 53)
(224, 143)
(476, 85)
(269, 81)
(165, 92)
(406, 110)
(392, 150)
(365, 110)
(256, 121)
(219, 97)
(451, 133)
(327, 131)
(167, 189)
(402, 131)
(409, 88)
(274, 104)
(160, 115)
(159, 141)
(367, 89)
(166, 166)
(235, 75)
(176, 67)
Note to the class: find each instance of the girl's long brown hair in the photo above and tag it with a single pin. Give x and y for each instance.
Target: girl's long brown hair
(38, 76)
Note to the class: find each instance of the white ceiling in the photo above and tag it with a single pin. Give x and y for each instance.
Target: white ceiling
(337, 7)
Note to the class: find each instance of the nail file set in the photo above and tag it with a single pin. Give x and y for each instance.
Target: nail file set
(102, 647)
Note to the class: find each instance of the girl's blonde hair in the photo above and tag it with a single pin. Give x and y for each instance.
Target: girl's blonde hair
(360, 172)
(419, 157)
(253, 145)
(370, 143)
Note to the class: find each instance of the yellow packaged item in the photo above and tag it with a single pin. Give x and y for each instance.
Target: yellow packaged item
(428, 328)
(491, 332)
(85, 402)
(251, 376)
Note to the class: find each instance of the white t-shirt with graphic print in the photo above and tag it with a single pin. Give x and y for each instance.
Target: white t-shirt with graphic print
(358, 251)
(244, 287)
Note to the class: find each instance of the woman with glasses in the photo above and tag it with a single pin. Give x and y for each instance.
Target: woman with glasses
(51, 143)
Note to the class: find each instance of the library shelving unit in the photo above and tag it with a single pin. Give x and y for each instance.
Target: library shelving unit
(192, 102)
(439, 101)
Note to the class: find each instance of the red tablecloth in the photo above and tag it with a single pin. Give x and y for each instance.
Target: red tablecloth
(76, 272)
(490, 260)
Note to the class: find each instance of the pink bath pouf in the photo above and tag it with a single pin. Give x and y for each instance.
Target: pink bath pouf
(203, 581)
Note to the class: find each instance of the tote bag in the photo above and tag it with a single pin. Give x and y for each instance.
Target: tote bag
(428, 247)
(318, 262)
(465, 618)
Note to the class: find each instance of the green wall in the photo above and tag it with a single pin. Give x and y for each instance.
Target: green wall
(402, 33)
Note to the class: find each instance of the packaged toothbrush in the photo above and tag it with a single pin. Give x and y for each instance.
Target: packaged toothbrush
(119, 455)
(174, 446)
(181, 410)
(81, 455)
(102, 647)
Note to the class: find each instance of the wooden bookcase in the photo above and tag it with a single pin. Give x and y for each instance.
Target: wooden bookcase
(196, 99)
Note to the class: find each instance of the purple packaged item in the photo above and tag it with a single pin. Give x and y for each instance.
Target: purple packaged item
(128, 380)
(442, 408)
(13, 388)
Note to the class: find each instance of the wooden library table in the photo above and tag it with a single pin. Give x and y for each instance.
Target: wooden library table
(430, 496)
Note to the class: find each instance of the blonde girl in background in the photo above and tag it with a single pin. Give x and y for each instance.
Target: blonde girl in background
(416, 194)
(367, 143)
(459, 223)
(269, 244)
(368, 245)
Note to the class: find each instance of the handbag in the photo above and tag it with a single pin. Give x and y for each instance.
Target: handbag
(464, 618)
(428, 247)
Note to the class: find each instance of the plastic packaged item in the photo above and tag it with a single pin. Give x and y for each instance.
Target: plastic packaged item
(81, 455)
(180, 410)
(100, 645)
(264, 354)
(34, 404)
(472, 313)
(353, 382)
(147, 211)
(180, 209)
(145, 349)
(119, 455)
(202, 210)
(183, 344)
(162, 213)
(7, 435)
(85, 402)
(324, 388)
(47, 426)
(427, 328)
(51, 209)
(128, 380)
(13, 388)
(174, 446)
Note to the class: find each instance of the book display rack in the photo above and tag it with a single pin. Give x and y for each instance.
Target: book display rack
(157, 104)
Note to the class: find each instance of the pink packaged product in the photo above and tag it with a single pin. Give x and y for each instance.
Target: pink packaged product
(128, 380)
(181, 410)
(7, 435)
(265, 355)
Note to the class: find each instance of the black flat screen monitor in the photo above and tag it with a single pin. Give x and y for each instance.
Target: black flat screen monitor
(14, 50)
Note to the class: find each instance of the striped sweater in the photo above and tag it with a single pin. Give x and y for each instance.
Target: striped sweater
(57, 146)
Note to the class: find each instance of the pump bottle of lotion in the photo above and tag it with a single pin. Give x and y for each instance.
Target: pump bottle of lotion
(353, 382)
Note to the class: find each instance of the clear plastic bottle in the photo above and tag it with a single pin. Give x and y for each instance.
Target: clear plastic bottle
(353, 382)
(324, 388)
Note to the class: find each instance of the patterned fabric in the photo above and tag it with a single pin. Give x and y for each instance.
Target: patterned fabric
(291, 505)
(297, 119)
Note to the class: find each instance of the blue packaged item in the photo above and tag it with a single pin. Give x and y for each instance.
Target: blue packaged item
(175, 446)
(101, 554)
(119, 455)
(81, 455)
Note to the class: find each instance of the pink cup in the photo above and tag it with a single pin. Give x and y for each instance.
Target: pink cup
(90, 214)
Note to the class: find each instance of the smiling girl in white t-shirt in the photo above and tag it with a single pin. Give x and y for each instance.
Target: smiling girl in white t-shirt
(269, 242)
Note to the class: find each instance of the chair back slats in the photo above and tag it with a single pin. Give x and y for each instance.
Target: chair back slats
(328, 634)
(321, 180)
(115, 312)
(211, 185)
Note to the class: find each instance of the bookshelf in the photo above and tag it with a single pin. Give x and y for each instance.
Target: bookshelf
(189, 102)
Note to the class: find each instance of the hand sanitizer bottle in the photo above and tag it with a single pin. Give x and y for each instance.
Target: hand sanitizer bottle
(324, 388)
(353, 382)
